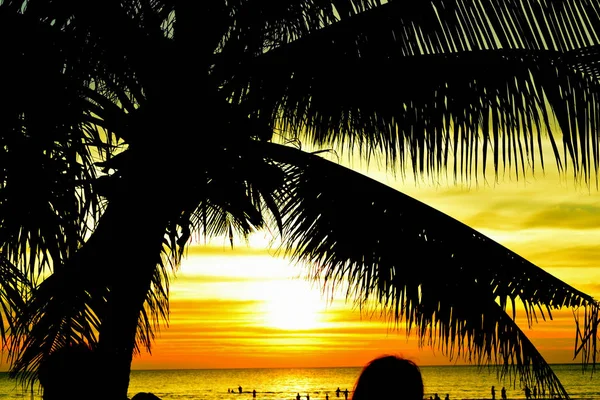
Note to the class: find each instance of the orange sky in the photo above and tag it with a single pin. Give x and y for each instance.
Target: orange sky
(247, 308)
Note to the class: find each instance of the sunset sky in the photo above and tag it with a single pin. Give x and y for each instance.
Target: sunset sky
(249, 308)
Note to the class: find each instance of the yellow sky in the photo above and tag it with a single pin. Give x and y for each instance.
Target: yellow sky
(247, 308)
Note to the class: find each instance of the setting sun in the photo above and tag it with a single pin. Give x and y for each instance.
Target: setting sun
(293, 306)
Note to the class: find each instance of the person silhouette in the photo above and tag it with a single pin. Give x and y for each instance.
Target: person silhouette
(307, 396)
(447, 397)
(298, 396)
(387, 377)
(346, 394)
(535, 392)
(527, 392)
(327, 396)
(254, 393)
(337, 392)
(503, 393)
(436, 397)
(240, 389)
(493, 393)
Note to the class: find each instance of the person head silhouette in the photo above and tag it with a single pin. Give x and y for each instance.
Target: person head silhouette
(389, 377)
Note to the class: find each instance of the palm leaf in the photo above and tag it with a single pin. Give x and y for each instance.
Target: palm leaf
(427, 110)
(62, 311)
(423, 268)
(423, 27)
(46, 156)
(257, 26)
(418, 82)
(14, 288)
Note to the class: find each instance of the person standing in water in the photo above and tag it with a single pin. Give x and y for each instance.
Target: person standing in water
(493, 393)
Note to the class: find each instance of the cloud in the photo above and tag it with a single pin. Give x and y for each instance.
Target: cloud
(565, 216)
(576, 256)
(532, 214)
(495, 218)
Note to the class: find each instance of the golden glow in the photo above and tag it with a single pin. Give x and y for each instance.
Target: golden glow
(293, 306)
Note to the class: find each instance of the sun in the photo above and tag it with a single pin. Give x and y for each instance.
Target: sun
(294, 305)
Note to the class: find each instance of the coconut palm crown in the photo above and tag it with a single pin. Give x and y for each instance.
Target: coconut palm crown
(128, 125)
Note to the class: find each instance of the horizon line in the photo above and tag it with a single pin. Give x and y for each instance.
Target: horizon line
(342, 366)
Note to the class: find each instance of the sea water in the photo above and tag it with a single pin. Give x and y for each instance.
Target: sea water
(459, 382)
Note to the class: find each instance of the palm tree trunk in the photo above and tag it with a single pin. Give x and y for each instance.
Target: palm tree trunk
(124, 252)
(132, 236)
(118, 330)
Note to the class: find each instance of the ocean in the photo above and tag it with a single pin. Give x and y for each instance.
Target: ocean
(459, 382)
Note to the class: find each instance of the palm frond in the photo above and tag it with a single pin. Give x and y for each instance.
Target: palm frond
(62, 311)
(257, 26)
(435, 112)
(422, 81)
(483, 333)
(48, 205)
(155, 311)
(426, 269)
(15, 287)
(425, 110)
(440, 26)
(426, 27)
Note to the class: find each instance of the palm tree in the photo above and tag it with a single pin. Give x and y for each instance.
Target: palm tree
(128, 125)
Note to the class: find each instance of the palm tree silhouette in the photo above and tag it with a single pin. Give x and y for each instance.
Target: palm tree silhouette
(128, 125)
